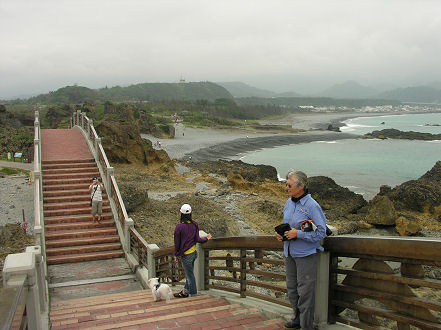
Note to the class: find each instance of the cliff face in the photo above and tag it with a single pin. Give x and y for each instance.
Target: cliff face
(122, 141)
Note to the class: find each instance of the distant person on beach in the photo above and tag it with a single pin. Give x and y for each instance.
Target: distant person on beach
(96, 199)
(186, 236)
(301, 244)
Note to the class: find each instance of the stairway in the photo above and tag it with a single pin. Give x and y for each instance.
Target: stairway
(137, 310)
(70, 234)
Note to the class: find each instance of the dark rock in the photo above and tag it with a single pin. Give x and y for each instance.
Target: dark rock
(333, 128)
(249, 172)
(392, 133)
(338, 201)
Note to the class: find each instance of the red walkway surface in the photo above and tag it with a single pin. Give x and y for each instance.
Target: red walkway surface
(63, 144)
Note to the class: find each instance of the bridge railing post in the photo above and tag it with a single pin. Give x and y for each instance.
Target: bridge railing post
(151, 265)
(20, 269)
(322, 290)
(89, 129)
(127, 225)
(96, 146)
(199, 266)
(110, 171)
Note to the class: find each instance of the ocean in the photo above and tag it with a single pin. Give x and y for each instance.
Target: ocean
(362, 165)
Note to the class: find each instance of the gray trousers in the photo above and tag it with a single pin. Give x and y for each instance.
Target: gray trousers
(301, 275)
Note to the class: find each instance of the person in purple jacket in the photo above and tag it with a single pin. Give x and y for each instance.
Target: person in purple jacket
(186, 236)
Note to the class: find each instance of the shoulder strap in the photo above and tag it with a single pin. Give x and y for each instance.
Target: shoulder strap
(94, 191)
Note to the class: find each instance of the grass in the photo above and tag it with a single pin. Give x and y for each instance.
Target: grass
(12, 171)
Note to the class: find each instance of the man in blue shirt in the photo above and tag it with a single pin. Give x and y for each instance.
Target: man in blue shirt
(302, 243)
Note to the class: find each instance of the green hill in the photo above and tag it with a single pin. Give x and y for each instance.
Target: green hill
(140, 92)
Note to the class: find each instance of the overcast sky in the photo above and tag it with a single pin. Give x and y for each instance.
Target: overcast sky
(282, 45)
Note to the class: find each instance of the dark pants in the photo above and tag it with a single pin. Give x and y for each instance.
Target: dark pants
(190, 281)
(301, 275)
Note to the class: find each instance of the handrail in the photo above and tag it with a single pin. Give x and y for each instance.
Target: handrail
(81, 121)
(389, 272)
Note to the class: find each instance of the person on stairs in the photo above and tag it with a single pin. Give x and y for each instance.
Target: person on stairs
(96, 199)
(186, 236)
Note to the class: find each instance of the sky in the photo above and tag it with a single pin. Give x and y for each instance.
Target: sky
(281, 45)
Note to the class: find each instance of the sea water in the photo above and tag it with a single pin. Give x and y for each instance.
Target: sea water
(362, 165)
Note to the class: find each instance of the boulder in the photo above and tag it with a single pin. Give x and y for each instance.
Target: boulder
(382, 212)
(132, 195)
(406, 227)
(338, 201)
(422, 195)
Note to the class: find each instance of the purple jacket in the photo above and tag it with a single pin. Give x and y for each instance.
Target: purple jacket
(187, 235)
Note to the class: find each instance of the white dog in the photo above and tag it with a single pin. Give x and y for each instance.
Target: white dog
(160, 291)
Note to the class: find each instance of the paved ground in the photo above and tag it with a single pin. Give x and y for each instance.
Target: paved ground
(22, 166)
(91, 278)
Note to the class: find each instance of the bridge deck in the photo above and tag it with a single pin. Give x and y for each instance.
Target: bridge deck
(63, 144)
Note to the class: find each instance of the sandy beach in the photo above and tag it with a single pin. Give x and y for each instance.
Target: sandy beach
(198, 144)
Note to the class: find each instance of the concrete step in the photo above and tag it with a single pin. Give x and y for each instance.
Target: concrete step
(79, 225)
(62, 171)
(61, 259)
(71, 181)
(76, 218)
(64, 187)
(68, 161)
(72, 175)
(81, 249)
(83, 210)
(66, 192)
(81, 233)
(71, 205)
(67, 242)
(58, 166)
(70, 199)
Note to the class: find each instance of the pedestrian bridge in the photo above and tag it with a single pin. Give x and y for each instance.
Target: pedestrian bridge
(89, 275)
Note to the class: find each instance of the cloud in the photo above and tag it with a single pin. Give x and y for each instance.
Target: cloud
(282, 44)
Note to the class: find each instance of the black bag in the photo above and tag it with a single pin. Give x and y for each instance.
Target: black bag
(280, 229)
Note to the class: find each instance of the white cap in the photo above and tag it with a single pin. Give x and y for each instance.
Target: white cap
(185, 209)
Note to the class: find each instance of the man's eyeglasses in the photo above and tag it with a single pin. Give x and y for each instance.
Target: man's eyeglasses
(289, 185)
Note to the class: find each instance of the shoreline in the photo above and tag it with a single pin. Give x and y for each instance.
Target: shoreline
(206, 144)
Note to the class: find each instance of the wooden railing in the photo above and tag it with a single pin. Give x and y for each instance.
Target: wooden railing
(248, 266)
(385, 282)
(138, 247)
(166, 269)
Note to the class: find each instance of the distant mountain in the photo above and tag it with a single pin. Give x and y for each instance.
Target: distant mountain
(140, 92)
(348, 90)
(423, 94)
(240, 89)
